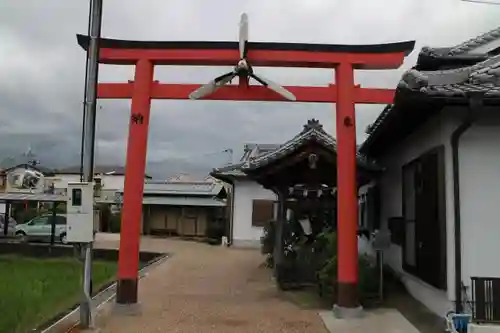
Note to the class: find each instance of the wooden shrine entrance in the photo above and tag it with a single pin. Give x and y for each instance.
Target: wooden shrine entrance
(300, 173)
(344, 93)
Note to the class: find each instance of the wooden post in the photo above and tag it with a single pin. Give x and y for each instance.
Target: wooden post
(347, 208)
(53, 224)
(6, 218)
(279, 230)
(128, 260)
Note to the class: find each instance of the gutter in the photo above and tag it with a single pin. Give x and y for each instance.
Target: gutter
(231, 219)
(475, 105)
(231, 181)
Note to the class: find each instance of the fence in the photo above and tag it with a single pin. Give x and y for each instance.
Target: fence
(486, 299)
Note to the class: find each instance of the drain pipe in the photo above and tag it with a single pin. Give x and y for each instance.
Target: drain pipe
(475, 105)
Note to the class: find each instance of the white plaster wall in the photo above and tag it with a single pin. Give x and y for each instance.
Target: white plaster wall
(435, 132)
(480, 198)
(245, 191)
(109, 182)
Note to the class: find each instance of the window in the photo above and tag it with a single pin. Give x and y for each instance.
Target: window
(397, 228)
(60, 220)
(424, 236)
(369, 209)
(262, 212)
(41, 221)
(190, 213)
(409, 195)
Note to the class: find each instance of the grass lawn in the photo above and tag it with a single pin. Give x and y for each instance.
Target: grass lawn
(32, 291)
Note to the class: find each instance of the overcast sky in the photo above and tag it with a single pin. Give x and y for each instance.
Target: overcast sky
(42, 70)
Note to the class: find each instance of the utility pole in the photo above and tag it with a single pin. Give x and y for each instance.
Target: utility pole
(88, 143)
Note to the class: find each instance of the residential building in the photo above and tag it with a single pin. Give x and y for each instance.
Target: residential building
(439, 193)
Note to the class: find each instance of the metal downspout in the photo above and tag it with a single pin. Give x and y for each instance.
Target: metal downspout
(475, 105)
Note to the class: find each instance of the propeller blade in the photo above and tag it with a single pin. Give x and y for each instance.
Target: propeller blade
(225, 79)
(274, 87)
(243, 35)
(212, 86)
(204, 90)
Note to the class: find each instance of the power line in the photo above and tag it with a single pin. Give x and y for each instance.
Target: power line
(484, 2)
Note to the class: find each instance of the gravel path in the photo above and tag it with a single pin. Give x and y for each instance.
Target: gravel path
(205, 289)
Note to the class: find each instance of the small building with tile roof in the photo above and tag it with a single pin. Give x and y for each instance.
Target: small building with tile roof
(177, 208)
(438, 143)
(264, 167)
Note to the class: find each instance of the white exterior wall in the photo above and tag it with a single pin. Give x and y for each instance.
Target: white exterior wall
(435, 133)
(245, 191)
(480, 198)
(479, 169)
(109, 182)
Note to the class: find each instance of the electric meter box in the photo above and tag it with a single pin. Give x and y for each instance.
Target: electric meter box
(80, 213)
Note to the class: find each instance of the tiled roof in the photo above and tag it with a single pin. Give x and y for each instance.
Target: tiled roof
(201, 188)
(18, 196)
(233, 170)
(313, 131)
(465, 47)
(250, 150)
(101, 169)
(176, 201)
(44, 170)
(481, 77)
(115, 170)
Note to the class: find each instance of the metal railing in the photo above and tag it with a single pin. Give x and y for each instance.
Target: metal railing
(485, 299)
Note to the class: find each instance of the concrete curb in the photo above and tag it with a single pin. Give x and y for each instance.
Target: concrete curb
(100, 304)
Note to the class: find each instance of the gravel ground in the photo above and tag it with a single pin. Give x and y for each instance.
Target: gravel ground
(205, 289)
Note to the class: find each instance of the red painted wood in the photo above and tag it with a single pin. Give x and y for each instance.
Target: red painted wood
(347, 212)
(128, 261)
(323, 94)
(202, 57)
(345, 94)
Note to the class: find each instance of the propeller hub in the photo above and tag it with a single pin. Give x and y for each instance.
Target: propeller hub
(242, 64)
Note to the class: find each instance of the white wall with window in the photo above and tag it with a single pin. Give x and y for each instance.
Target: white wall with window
(422, 256)
(417, 190)
(253, 207)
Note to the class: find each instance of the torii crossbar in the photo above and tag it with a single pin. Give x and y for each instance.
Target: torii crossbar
(342, 59)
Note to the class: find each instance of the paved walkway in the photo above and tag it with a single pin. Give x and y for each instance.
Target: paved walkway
(205, 289)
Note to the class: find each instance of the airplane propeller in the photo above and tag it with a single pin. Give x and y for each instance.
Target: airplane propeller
(243, 70)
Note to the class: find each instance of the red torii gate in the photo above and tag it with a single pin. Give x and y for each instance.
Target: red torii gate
(343, 58)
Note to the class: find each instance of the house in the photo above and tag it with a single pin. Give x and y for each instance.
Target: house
(112, 177)
(247, 197)
(439, 193)
(24, 186)
(252, 205)
(181, 208)
(21, 169)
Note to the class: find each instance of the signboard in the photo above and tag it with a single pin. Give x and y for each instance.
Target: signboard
(381, 239)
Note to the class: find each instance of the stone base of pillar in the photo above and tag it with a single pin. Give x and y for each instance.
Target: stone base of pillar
(127, 309)
(348, 301)
(126, 297)
(346, 313)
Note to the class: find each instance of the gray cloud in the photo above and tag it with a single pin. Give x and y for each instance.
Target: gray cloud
(42, 71)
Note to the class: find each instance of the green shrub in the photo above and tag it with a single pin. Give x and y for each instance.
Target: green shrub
(214, 234)
(115, 222)
(327, 277)
(368, 280)
(268, 238)
(23, 216)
